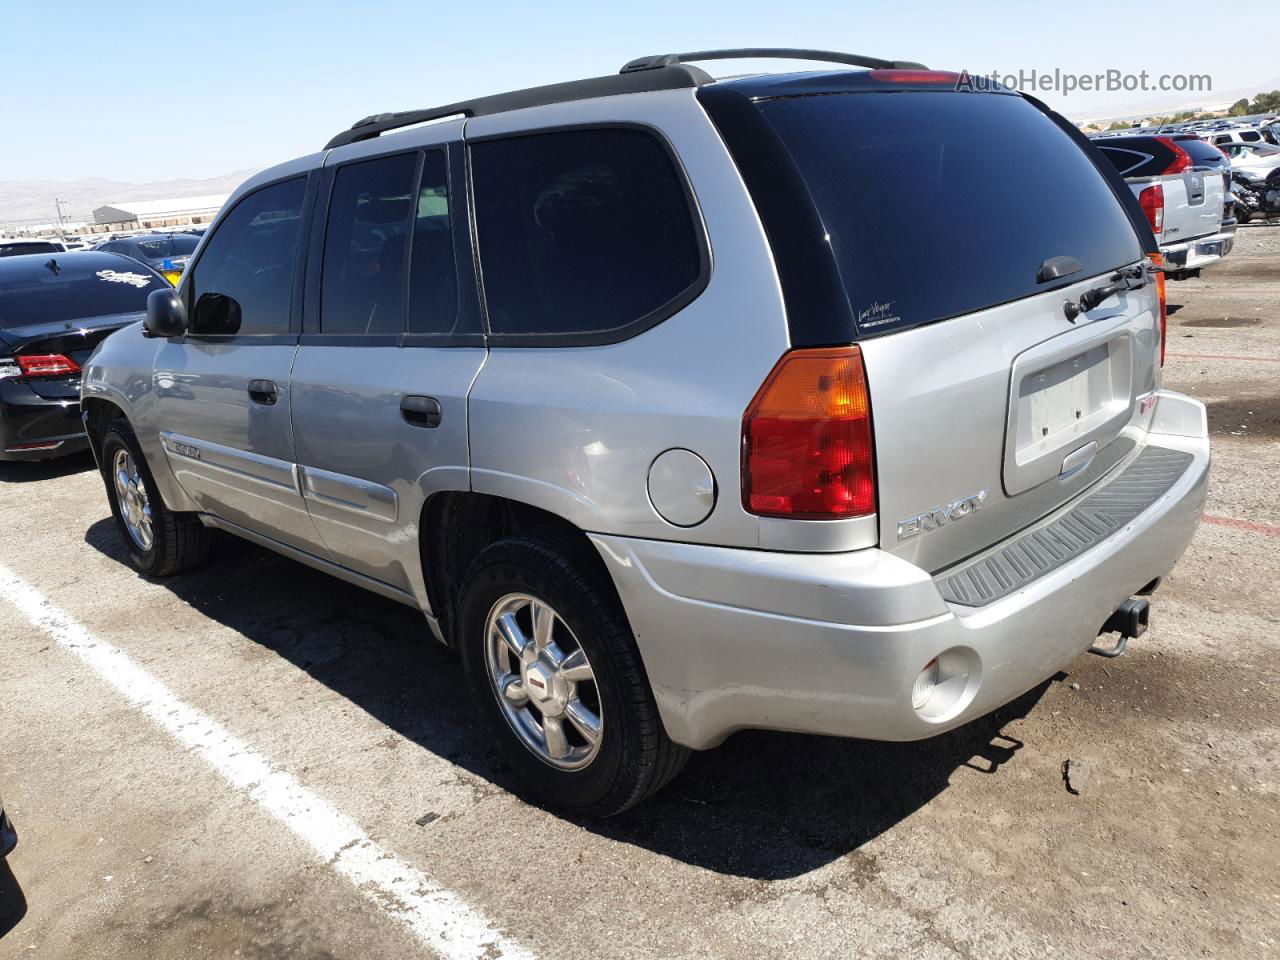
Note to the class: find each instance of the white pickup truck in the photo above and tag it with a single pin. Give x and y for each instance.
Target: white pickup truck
(1181, 184)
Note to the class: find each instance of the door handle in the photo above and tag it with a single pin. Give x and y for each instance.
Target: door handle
(263, 391)
(420, 411)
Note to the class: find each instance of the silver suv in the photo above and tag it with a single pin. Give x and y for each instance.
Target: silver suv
(681, 407)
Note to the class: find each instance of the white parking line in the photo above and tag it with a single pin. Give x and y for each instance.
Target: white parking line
(436, 916)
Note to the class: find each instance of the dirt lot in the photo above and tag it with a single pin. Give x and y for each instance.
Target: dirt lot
(967, 845)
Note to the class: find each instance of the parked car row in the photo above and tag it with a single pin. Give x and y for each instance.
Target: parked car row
(898, 458)
(1182, 185)
(167, 253)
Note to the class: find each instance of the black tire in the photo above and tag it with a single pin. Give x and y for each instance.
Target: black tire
(1243, 215)
(180, 542)
(635, 757)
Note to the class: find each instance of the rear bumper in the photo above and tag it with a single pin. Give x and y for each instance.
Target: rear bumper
(832, 643)
(34, 428)
(1199, 253)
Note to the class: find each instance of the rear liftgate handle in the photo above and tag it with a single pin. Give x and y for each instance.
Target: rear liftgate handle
(420, 411)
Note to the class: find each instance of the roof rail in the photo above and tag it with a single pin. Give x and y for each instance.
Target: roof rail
(663, 60)
(660, 77)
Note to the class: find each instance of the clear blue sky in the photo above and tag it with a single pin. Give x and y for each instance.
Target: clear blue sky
(146, 91)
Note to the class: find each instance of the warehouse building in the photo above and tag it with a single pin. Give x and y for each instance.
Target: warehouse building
(182, 212)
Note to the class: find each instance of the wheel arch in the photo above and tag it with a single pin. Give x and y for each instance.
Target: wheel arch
(99, 411)
(456, 525)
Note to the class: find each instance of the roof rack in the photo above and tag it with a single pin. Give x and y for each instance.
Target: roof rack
(665, 71)
(768, 53)
(664, 78)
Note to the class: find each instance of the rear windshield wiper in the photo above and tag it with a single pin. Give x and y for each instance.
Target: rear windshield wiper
(1128, 278)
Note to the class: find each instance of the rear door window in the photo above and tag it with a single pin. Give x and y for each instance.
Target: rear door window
(243, 281)
(366, 246)
(926, 220)
(587, 234)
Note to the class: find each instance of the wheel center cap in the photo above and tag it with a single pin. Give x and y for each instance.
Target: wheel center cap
(539, 683)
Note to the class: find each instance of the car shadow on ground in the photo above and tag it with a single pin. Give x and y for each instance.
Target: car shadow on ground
(764, 805)
(13, 904)
(18, 471)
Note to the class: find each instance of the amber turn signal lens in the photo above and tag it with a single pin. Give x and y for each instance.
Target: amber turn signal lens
(807, 443)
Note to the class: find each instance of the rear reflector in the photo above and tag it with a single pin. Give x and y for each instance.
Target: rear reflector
(1152, 202)
(806, 439)
(47, 365)
(1158, 262)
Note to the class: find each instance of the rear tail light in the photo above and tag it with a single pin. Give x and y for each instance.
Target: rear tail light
(806, 439)
(1152, 202)
(1181, 159)
(47, 365)
(1158, 262)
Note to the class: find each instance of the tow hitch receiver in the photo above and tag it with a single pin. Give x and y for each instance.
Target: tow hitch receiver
(1129, 620)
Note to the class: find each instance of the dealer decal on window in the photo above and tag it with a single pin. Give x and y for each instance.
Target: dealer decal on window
(114, 276)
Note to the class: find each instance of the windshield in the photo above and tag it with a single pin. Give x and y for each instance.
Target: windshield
(937, 204)
(74, 292)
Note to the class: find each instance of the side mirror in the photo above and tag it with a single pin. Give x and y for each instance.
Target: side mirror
(166, 316)
(216, 313)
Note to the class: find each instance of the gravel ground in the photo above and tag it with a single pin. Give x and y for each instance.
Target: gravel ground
(967, 845)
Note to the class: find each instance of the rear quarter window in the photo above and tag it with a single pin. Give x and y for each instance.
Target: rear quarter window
(584, 235)
(938, 204)
(1129, 161)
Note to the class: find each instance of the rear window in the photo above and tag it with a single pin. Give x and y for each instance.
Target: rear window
(1202, 154)
(168, 247)
(75, 291)
(22, 249)
(937, 204)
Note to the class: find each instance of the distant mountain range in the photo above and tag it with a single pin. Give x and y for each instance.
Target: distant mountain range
(34, 199)
(1168, 103)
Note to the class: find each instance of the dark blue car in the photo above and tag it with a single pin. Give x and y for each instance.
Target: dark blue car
(167, 253)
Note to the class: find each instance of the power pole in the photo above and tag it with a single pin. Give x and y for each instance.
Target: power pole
(59, 204)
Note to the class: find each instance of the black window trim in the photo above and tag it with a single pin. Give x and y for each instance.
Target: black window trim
(467, 307)
(635, 327)
(299, 270)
